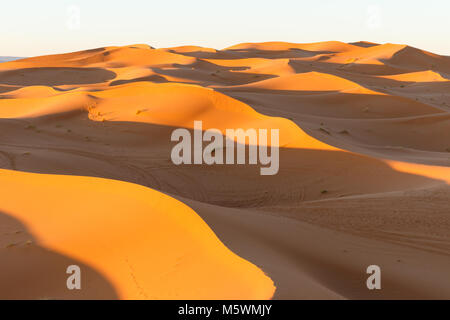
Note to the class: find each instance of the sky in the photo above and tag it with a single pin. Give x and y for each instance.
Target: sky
(30, 28)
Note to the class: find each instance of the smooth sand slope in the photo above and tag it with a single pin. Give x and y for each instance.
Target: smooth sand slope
(363, 176)
(145, 244)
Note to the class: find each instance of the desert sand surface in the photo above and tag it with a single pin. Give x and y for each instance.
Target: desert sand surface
(363, 178)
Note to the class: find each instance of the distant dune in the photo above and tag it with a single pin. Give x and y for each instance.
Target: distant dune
(6, 59)
(363, 176)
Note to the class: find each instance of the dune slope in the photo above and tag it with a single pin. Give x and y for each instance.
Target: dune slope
(147, 245)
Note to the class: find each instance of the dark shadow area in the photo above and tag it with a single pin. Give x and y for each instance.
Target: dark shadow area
(31, 271)
(207, 55)
(273, 54)
(55, 76)
(353, 69)
(329, 104)
(364, 44)
(207, 74)
(232, 54)
(153, 78)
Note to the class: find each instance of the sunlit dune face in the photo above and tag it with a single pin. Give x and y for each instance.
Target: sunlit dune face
(145, 244)
(311, 81)
(420, 76)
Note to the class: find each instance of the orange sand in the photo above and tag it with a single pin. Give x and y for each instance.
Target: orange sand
(364, 172)
(146, 244)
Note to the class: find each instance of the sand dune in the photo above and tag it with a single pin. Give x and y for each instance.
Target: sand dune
(363, 176)
(146, 244)
(310, 81)
(6, 59)
(420, 76)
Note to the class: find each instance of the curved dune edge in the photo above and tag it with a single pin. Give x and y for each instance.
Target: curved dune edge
(169, 104)
(146, 244)
(420, 76)
(308, 81)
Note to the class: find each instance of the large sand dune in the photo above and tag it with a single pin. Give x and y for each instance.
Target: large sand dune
(146, 245)
(363, 177)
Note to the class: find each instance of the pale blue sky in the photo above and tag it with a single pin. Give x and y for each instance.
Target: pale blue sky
(29, 27)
